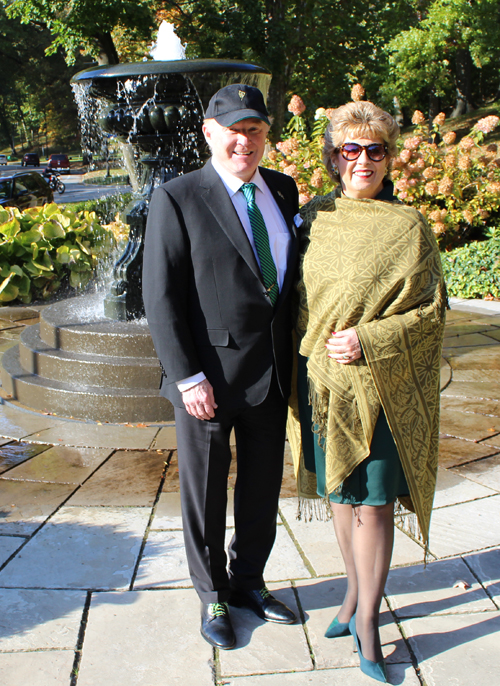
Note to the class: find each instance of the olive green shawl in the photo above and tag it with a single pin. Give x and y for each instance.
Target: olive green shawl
(373, 265)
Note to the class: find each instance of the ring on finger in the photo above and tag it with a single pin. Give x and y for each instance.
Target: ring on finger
(345, 356)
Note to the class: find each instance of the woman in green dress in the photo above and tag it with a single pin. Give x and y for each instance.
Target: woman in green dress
(363, 424)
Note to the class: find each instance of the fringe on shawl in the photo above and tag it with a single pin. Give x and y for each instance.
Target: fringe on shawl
(319, 404)
(314, 508)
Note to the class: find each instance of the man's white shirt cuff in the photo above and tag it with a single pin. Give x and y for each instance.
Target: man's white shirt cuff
(190, 381)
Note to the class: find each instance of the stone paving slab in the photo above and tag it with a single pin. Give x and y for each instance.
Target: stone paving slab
(95, 435)
(467, 340)
(81, 548)
(486, 567)
(418, 591)
(266, 646)
(145, 639)
(59, 464)
(473, 358)
(463, 327)
(15, 423)
(466, 527)
(129, 478)
(46, 668)
(486, 472)
(493, 442)
(163, 563)
(166, 438)
(475, 405)
(8, 546)
(25, 505)
(484, 390)
(455, 451)
(401, 674)
(474, 427)
(477, 375)
(285, 561)
(320, 600)
(456, 649)
(15, 453)
(453, 488)
(40, 619)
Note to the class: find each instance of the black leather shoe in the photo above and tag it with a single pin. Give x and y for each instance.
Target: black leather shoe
(216, 627)
(264, 605)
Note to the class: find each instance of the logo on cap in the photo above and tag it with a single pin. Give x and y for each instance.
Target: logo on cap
(241, 94)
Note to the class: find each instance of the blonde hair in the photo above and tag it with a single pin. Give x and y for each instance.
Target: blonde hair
(360, 119)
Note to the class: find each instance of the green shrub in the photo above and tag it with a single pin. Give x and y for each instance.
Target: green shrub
(102, 178)
(105, 208)
(473, 271)
(42, 246)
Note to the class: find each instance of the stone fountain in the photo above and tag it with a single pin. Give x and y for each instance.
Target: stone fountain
(95, 360)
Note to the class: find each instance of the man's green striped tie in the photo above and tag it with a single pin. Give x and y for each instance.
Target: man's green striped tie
(261, 238)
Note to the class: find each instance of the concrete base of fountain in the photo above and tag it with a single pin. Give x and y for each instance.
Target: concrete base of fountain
(78, 365)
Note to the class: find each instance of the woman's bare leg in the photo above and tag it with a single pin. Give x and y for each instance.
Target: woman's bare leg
(343, 524)
(372, 543)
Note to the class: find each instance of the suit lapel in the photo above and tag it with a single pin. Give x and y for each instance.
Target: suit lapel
(221, 207)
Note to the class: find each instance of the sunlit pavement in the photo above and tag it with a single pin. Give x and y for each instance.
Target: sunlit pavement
(94, 586)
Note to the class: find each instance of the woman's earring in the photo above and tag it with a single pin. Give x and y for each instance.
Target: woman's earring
(335, 169)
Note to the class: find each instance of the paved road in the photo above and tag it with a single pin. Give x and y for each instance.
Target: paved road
(76, 190)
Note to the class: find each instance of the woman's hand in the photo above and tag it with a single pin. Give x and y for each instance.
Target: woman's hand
(344, 346)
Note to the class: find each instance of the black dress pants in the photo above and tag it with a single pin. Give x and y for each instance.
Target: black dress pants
(204, 459)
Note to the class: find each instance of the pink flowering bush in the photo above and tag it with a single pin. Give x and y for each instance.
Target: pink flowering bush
(455, 186)
(299, 154)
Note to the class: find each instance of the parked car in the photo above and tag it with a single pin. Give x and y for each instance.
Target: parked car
(3, 159)
(30, 159)
(24, 189)
(59, 162)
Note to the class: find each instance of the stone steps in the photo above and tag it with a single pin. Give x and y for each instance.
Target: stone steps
(76, 364)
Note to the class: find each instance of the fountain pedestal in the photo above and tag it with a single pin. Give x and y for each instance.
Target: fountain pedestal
(76, 365)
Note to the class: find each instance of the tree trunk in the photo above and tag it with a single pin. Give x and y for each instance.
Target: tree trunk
(398, 112)
(434, 106)
(463, 102)
(107, 50)
(277, 105)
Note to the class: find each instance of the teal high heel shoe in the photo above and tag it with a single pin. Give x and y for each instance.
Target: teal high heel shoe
(375, 670)
(337, 629)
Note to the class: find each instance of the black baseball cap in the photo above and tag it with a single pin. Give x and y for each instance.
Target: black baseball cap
(236, 102)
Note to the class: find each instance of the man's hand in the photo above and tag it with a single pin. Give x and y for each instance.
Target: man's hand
(344, 346)
(199, 400)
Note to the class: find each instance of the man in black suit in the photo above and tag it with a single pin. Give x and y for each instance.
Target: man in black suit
(219, 313)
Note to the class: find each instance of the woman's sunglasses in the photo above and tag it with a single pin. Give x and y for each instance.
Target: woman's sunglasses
(375, 151)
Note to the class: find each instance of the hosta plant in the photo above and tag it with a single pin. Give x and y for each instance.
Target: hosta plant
(42, 246)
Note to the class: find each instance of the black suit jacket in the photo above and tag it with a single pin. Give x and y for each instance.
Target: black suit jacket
(205, 300)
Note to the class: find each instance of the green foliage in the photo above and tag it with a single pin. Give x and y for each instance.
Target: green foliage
(44, 245)
(36, 101)
(423, 58)
(473, 271)
(86, 24)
